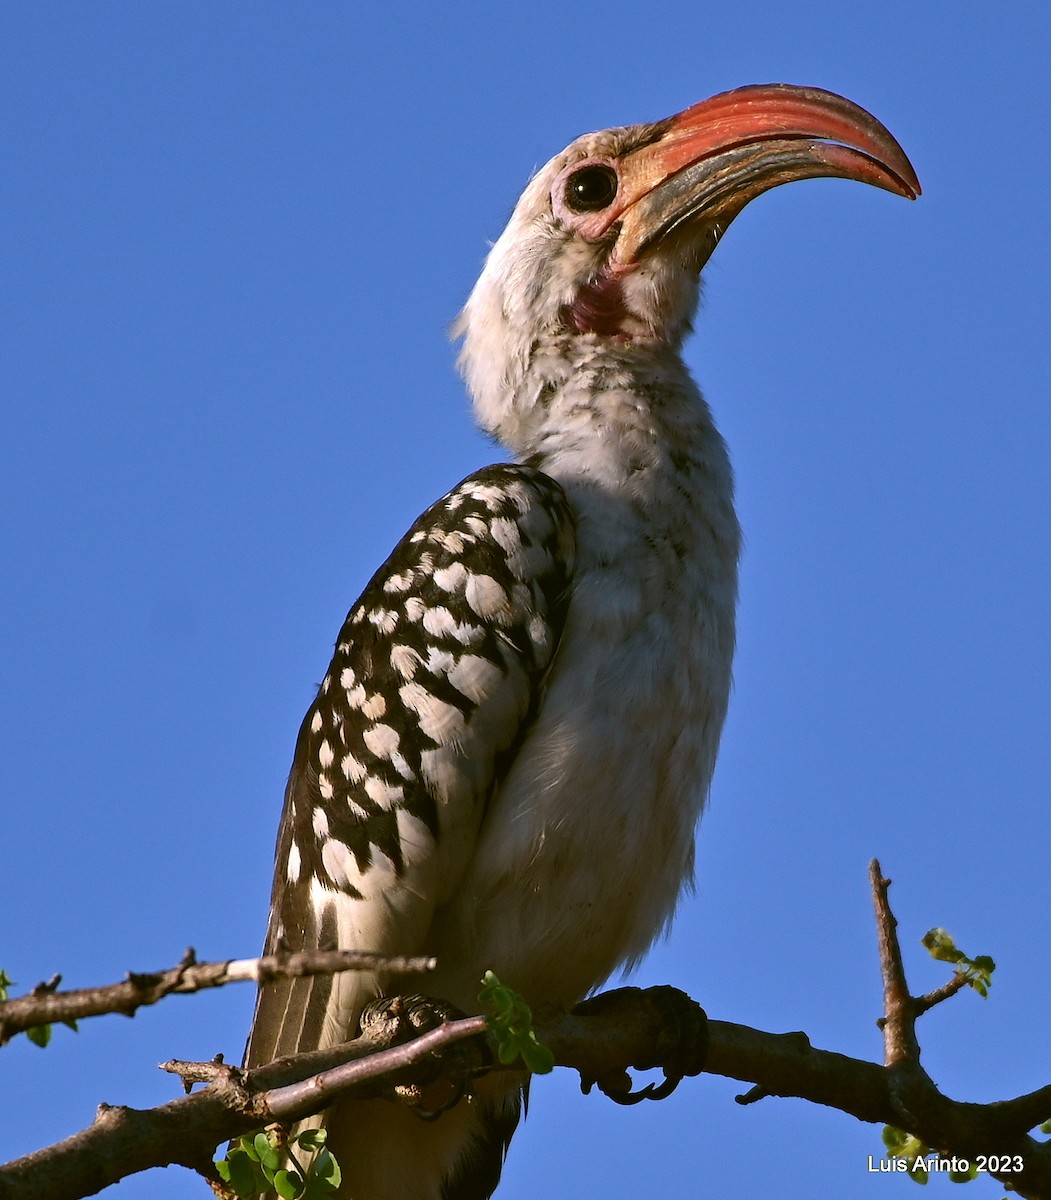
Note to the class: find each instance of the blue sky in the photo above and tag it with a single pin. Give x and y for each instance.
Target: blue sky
(234, 237)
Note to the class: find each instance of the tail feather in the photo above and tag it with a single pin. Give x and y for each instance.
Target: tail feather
(478, 1171)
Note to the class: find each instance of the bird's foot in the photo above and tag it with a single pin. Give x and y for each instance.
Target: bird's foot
(674, 1029)
(445, 1081)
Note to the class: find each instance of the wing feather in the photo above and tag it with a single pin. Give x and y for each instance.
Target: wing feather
(436, 674)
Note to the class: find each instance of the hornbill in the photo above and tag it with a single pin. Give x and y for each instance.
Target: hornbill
(509, 753)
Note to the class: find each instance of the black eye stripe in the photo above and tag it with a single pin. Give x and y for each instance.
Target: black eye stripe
(592, 188)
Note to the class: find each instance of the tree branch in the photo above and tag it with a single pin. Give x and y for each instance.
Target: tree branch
(899, 1017)
(123, 1141)
(625, 1028)
(922, 1004)
(45, 1005)
(184, 1131)
(970, 1131)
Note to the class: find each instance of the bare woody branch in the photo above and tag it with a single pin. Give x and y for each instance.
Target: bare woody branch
(922, 1004)
(900, 1047)
(628, 1028)
(966, 1130)
(45, 1005)
(123, 1141)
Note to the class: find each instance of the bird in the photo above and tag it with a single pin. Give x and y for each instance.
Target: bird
(508, 756)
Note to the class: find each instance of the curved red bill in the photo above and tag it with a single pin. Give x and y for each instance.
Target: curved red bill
(777, 111)
(715, 156)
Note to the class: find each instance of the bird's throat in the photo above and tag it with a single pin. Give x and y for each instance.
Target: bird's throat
(601, 307)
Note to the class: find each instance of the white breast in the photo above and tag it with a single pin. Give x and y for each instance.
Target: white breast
(588, 842)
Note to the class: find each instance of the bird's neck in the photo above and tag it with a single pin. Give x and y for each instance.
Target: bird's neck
(604, 412)
(624, 429)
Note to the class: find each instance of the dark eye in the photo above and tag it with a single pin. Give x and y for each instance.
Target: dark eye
(592, 188)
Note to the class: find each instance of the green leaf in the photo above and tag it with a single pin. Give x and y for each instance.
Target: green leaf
(538, 1058)
(894, 1139)
(39, 1035)
(941, 946)
(5, 983)
(288, 1184)
(266, 1151)
(902, 1145)
(240, 1173)
(978, 974)
(310, 1139)
(326, 1170)
(1046, 1127)
(511, 1025)
(975, 972)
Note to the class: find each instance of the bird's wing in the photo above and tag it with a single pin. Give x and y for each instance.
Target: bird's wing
(436, 674)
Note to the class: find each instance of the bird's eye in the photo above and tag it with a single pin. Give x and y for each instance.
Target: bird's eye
(592, 188)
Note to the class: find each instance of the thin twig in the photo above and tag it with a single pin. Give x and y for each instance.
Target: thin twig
(45, 1005)
(922, 1004)
(308, 1096)
(201, 1072)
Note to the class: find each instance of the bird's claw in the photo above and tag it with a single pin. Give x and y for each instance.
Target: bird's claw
(617, 1086)
(652, 1091)
(678, 1030)
(429, 1101)
(403, 1018)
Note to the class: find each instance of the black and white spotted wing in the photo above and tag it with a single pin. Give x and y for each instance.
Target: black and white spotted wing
(436, 673)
